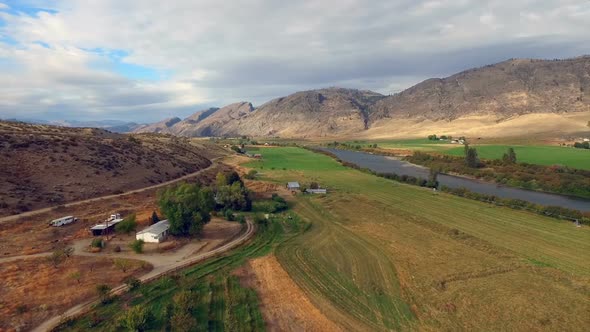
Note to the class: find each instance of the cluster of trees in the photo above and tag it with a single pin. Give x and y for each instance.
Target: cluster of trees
(582, 145)
(508, 171)
(552, 211)
(188, 207)
(356, 145)
(274, 205)
(471, 157)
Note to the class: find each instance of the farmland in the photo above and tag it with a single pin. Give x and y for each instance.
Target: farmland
(533, 154)
(411, 258)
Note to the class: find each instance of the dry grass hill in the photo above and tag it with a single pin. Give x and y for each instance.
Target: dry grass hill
(514, 97)
(48, 166)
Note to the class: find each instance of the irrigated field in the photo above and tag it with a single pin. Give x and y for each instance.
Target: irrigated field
(382, 255)
(533, 154)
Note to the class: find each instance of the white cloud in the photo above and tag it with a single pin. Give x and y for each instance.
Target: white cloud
(218, 52)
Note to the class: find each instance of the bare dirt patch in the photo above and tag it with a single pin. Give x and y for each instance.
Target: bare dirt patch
(284, 305)
(33, 289)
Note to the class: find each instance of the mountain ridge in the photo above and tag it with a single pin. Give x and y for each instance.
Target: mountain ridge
(498, 92)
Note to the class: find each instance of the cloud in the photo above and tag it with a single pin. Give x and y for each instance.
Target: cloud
(82, 57)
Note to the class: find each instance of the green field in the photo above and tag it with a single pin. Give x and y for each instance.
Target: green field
(533, 154)
(542, 155)
(382, 255)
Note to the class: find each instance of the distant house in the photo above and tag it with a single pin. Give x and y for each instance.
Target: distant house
(63, 221)
(293, 186)
(266, 144)
(156, 233)
(258, 156)
(586, 139)
(316, 191)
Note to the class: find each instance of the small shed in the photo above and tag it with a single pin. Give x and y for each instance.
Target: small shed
(105, 227)
(293, 186)
(257, 156)
(316, 191)
(156, 233)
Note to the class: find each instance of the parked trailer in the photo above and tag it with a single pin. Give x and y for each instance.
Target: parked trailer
(63, 221)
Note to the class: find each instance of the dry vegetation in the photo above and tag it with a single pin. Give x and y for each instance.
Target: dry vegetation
(33, 289)
(48, 166)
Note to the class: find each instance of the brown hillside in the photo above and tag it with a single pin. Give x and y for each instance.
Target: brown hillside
(47, 166)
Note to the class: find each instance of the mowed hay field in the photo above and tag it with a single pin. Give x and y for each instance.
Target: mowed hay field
(381, 255)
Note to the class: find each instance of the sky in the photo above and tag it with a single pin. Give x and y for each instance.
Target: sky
(145, 60)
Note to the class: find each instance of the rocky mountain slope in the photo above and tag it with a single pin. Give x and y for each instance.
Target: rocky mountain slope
(47, 165)
(518, 94)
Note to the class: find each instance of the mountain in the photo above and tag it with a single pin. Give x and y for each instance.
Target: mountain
(514, 97)
(158, 127)
(116, 126)
(46, 165)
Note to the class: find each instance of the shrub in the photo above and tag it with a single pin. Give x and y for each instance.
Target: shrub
(97, 243)
(137, 246)
(133, 283)
(137, 318)
(128, 225)
(228, 214)
(104, 293)
(251, 174)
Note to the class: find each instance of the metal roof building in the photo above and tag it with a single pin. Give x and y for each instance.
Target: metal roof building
(156, 233)
(293, 185)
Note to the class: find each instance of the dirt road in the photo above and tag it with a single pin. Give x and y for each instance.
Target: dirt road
(163, 184)
(157, 272)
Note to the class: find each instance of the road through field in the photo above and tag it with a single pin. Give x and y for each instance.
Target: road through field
(90, 200)
(157, 272)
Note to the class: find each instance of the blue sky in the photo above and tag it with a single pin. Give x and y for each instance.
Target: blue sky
(144, 60)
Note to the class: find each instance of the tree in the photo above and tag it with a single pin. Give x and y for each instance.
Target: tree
(122, 264)
(509, 157)
(137, 318)
(220, 180)
(187, 207)
(233, 178)
(155, 217)
(471, 158)
(137, 246)
(251, 174)
(235, 197)
(128, 225)
(433, 178)
(76, 276)
(104, 293)
(183, 322)
(60, 255)
(182, 319)
(314, 185)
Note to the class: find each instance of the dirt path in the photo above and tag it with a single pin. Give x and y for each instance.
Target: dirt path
(90, 200)
(175, 263)
(285, 306)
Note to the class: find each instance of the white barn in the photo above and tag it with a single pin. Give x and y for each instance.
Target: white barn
(156, 233)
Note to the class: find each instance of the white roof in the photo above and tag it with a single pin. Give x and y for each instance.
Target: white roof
(104, 225)
(62, 218)
(293, 184)
(157, 228)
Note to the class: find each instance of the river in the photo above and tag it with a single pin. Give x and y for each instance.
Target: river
(383, 164)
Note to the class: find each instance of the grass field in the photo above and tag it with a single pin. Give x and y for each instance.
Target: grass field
(220, 302)
(382, 255)
(542, 155)
(533, 154)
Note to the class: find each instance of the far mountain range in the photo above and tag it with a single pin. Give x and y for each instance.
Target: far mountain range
(510, 98)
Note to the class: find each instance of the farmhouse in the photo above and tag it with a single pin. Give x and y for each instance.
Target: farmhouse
(293, 185)
(316, 191)
(156, 233)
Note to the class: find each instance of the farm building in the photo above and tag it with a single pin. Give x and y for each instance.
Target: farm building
(293, 185)
(156, 233)
(105, 228)
(257, 156)
(62, 221)
(316, 191)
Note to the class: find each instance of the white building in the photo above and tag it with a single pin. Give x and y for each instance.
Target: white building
(62, 221)
(156, 233)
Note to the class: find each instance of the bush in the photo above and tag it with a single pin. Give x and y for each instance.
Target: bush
(241, 219)
(104, 293)
(128, 225)
(137, 246)
(133, 283)
(97, 243)
(228, 214)
(251, 174)
(137, 318)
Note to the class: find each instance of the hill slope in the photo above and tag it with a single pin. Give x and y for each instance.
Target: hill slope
(509, 98)
(47, 166)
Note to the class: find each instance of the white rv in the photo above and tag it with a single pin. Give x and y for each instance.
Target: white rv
(63, 221)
